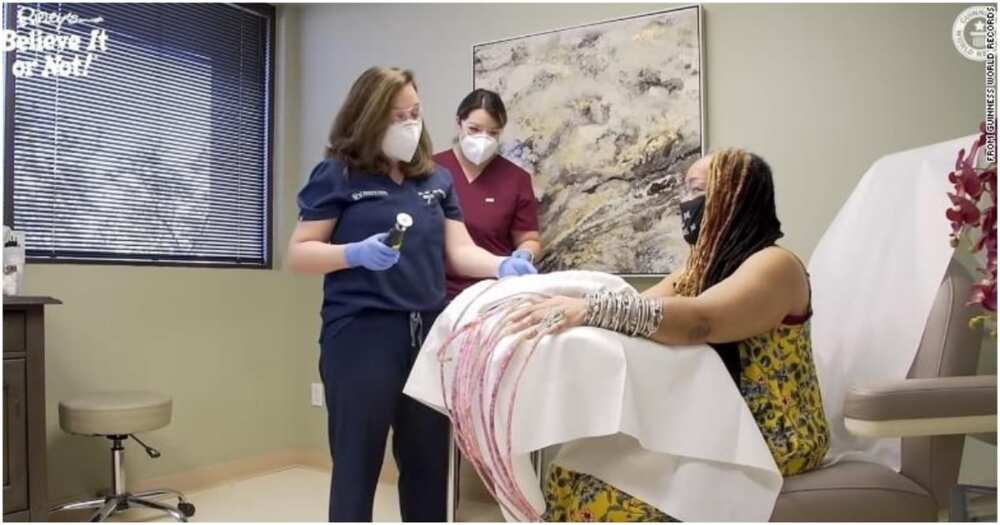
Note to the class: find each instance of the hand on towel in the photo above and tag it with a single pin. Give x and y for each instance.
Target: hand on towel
(549, 316)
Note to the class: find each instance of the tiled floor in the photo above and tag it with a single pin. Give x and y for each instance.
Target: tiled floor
(297, 494)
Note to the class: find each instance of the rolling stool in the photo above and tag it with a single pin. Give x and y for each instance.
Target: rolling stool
(119, 416)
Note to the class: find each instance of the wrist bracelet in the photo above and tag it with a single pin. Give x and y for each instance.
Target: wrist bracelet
(627, 313)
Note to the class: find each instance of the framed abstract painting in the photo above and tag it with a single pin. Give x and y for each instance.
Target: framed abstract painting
(606, 117)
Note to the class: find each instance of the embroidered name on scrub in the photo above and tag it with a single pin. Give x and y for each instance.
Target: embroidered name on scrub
(490, 200)
(432, 197)
(369, 194)
(364, 204)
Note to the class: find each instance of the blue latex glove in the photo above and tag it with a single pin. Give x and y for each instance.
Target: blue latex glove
(514, 266)
(371, 253)
(524, 255)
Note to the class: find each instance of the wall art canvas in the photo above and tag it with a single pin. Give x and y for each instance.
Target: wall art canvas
(607, 117)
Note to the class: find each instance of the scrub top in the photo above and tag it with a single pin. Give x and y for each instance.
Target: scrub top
(365, 204)
(498, 202)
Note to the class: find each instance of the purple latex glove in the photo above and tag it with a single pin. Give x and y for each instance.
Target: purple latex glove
(371, 253)
(514, 266)
(524, 255)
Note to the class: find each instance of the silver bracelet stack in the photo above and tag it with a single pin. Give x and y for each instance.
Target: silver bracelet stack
(628, 313)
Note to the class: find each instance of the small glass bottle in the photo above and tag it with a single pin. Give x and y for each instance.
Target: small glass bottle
(395, 238)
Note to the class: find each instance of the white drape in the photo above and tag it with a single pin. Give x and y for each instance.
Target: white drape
(874, 274)
(665, 424)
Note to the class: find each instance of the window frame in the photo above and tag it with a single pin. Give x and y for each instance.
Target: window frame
(266, 11)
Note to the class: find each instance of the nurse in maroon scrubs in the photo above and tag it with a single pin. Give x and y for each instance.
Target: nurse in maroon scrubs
(496, 197)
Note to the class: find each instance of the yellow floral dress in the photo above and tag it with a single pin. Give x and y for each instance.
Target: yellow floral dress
(777, 380)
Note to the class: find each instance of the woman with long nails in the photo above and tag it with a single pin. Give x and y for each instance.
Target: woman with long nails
(740, 293)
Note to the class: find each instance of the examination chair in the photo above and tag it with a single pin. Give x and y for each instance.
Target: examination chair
(932, 410)
(118, 416)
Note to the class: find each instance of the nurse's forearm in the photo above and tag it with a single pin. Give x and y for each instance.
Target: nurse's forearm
(473, 261)
(528, 240)
(316, 257)
(532, 246)
(463, 256)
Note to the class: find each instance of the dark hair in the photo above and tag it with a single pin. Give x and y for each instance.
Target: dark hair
(356, 135)
(739, 220)
(755, 223)
(486, 100)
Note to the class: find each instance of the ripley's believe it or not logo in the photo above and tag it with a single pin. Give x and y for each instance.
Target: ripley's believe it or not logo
(44, 50)
(974, 32)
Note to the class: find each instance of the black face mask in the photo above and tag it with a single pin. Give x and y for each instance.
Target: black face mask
(691, 212)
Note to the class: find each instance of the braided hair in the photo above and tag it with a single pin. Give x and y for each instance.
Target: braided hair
(739, 220)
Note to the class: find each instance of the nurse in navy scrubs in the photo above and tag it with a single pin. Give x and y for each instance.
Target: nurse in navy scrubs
(496, 196)
(380, 302)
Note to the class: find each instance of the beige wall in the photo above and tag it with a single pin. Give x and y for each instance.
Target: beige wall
(820, 91)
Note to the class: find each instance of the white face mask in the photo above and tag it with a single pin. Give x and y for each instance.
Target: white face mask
(479, 148)
(401, 140)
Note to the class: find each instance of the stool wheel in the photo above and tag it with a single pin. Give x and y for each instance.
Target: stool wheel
(186, 508)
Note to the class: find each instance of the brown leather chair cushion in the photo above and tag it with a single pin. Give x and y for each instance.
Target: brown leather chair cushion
(853, 491)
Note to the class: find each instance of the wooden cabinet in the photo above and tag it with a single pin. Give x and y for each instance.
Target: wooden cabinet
(15, 436)
(25, 481)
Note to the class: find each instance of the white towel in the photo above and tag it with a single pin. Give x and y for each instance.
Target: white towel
(665, 424)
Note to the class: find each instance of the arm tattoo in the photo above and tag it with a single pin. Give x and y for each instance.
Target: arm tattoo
(699, 332)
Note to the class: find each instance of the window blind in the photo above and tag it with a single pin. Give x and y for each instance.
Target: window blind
(161, 153)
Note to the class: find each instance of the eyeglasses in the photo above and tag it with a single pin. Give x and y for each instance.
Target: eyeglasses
(404, 114)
